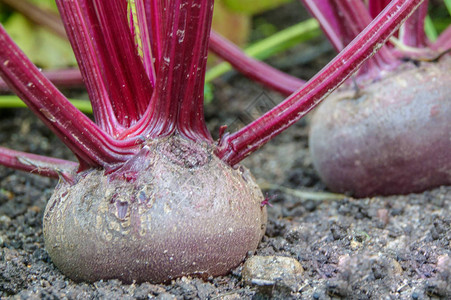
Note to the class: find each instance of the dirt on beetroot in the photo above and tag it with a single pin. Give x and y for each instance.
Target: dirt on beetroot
(396, 247)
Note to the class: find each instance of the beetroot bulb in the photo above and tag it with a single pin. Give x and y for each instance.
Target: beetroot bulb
(153, 197)
(391, 137)
(388, 130)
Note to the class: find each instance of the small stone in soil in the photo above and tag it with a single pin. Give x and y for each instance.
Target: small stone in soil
(274, 276)
(444, 267)
(166, 296)
(270, 268)
(438, 288)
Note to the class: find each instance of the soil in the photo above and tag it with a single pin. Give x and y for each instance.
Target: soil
(395, 247)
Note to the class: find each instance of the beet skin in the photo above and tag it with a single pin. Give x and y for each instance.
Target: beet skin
(173, 210)
(391, 137)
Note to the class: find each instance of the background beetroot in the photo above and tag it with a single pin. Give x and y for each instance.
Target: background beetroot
(391, 137)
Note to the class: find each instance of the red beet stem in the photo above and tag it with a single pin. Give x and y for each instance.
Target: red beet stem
(412, 31)
(42, 165)
(376, 6)
(346, 19)
(254, 69)
(139, 26)
(190, 121)
(79, 34)
(155, 11)
(332, 26)
(356, 16)
(177, 102)
(104, 28)
(235, 147)
(60, 77)
(92, 146)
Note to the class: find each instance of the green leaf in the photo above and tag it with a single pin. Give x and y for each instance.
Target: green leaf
(49, 4)
(253, 6)
(430, 29)
(303, 193)
(12, 101)
(448, 6)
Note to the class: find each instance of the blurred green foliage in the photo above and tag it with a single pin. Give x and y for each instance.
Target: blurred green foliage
(441, 17)
(252, 7)
(233, 25)
(44, 48)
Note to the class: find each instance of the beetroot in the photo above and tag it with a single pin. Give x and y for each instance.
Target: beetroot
(391, 137)
(179, 196)
(388, 130)
(153, 197)
(393, 134)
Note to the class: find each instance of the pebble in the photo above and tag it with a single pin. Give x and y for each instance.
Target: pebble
(5, 219)
(166, 296)
(266, 270)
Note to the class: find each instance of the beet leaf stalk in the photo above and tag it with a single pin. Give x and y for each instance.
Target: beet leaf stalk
(154, 197)
(64, 78)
